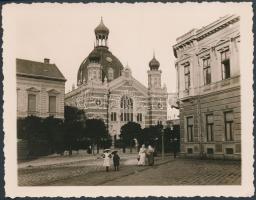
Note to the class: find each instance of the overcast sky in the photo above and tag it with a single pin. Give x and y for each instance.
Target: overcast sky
(65, 33)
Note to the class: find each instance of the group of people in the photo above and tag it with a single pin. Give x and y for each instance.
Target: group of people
(107, 159)
(146, 153)
(143, 154)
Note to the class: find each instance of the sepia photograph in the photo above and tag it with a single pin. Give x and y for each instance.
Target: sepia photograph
(157, 96)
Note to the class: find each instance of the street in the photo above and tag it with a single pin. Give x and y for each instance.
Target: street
(169, 171)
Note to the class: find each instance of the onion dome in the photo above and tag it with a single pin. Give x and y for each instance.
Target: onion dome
(154, 63)
(106, 59)
(101, 28)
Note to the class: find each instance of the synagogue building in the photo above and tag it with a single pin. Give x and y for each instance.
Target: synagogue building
(107, 90)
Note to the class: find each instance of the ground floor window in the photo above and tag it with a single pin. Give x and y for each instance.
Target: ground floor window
(139, 117)
(113, 116)
(52, 104)
(228, 119)
(190, 130)
(209, 127)
(126, 117)
(31, 103)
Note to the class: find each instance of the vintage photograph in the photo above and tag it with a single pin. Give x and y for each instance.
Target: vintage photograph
(145, 94)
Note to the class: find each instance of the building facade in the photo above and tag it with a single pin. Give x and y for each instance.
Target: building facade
(40, 89)
(208, 85)
(106, 90)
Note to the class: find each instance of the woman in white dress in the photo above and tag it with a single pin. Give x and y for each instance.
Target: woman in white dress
(142, 156)
(107, 158)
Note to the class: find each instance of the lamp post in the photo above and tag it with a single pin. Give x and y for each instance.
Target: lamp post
(108, 96)
(162, 133)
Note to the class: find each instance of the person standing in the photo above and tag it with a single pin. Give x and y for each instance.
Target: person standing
(106, 156)
(142, 156)
(150, 155)
(116, 160)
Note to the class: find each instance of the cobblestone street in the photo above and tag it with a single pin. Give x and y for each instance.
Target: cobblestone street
(165, 172)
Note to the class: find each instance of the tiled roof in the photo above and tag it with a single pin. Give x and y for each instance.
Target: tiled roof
(38, 70)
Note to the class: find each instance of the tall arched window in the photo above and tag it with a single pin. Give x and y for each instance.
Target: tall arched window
(110, 74)
(126, 105)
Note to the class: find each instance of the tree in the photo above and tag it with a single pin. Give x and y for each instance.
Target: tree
(151, 136)
(129, 132)
(97, 132)
(74, 126)
(31, 129)
(54, 133)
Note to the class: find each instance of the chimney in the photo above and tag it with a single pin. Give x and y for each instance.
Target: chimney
(46, 60)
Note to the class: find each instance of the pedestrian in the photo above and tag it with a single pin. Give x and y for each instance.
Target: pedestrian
(142, 156)
(116, 160)
(150, 155)
(106, 156)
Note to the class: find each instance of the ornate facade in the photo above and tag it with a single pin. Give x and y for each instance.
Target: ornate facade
(208, 75)
(108, 91)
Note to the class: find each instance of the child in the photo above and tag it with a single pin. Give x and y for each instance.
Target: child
(116, 160)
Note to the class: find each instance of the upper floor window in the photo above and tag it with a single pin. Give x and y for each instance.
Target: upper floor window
(209, 127)
(52, 104)
(94, 75)
(228, 117)
(31, 103)
(190, 129)
(110, 74)
(225, 64)
(187, 76)
(126, 109)
(207, 70)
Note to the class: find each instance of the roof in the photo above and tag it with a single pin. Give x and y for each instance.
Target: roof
(36, 69)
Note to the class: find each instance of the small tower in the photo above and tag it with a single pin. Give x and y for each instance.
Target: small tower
(94, 68)
(101, 33)
(154, 74)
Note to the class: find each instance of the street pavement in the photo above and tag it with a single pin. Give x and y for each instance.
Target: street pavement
(167, 171)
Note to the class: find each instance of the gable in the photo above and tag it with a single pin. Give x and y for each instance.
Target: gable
(131, 85)
(33, 89)
(53, 92)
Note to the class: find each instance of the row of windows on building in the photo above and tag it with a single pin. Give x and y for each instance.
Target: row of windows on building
(32, 104)
(209, 127)
(225, 68)
(125, 116)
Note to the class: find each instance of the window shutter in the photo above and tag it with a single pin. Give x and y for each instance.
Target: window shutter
(52, 104)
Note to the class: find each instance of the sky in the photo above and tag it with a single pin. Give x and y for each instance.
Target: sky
(64, 33)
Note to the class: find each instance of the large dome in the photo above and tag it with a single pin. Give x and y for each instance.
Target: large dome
(107, 60)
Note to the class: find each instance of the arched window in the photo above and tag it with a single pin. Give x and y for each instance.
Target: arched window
(110, 74)
(126, 105)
